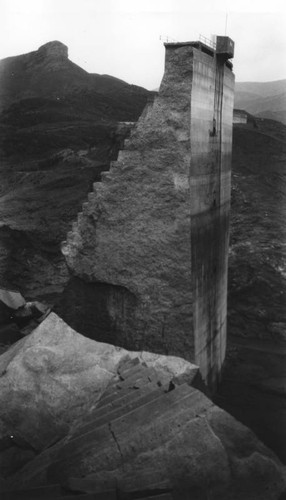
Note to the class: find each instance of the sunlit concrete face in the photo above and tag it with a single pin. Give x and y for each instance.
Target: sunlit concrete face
(210, 178)
(152, 240)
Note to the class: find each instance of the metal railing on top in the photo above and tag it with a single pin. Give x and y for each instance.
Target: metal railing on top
(207, 41)
(167, 39)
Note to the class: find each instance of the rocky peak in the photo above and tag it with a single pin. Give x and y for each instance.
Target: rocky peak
(55, 50)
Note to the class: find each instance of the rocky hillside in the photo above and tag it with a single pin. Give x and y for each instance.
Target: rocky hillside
(48, 74)
(263, 99)
(49, 103)
(257, 263)
(59, 128)
(254, 380)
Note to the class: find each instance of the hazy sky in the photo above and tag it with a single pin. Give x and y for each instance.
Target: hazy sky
(122, 37)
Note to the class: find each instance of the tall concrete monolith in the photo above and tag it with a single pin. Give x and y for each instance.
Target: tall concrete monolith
(149, 252)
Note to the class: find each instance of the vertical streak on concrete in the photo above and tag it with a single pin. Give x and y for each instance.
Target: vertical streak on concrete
(211, 104)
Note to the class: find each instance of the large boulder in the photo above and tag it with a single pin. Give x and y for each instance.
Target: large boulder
(53, 376)
(127, 419)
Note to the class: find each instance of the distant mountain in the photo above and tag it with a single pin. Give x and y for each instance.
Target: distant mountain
(48, 74)
(48, 103)
(263, 99)
(262, 89)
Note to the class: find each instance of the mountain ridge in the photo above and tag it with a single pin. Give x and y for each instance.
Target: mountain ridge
(45, 87)
(49, 73)
(265, 89)
(262, 99)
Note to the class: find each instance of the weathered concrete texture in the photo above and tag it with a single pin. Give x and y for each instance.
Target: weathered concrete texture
(211, 102)
(157, 224)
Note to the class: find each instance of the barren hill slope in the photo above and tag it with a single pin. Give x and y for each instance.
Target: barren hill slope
(47, 103)
(254, 380)
(59, 128)
(48, 74)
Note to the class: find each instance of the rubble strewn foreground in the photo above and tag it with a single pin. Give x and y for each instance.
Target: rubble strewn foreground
(89, 416)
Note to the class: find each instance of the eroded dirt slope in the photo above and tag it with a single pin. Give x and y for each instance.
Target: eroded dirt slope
(254, 381)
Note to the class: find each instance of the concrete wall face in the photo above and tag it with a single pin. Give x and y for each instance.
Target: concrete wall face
(156, 228)
(210, 177)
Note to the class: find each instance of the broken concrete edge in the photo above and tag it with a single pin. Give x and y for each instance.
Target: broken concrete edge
(174, 367)
(178, 369)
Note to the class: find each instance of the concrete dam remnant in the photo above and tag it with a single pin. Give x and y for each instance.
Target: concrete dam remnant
(149, 250)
